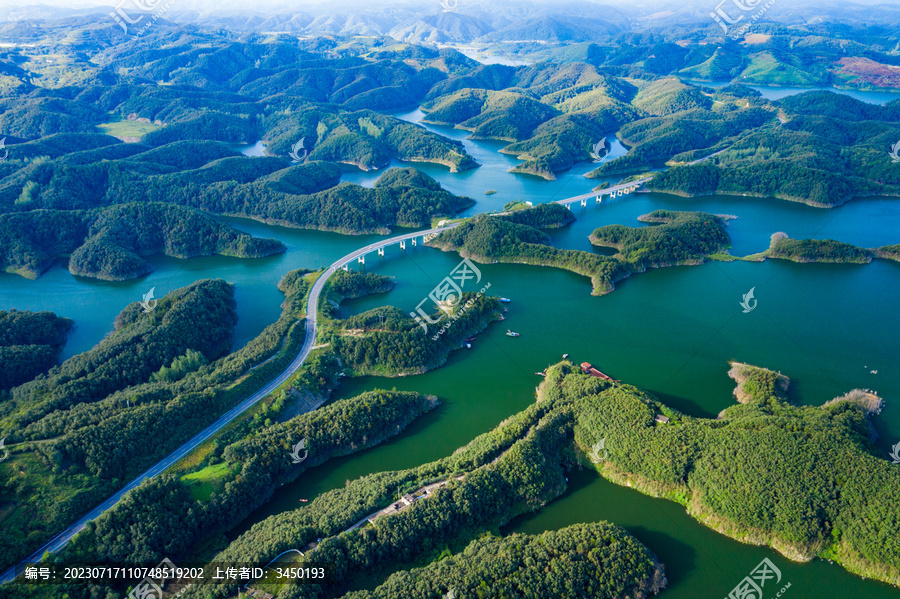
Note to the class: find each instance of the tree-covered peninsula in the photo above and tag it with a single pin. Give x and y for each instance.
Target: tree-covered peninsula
(112, 243)
(386, 341)
(30, 343)
(675, 238)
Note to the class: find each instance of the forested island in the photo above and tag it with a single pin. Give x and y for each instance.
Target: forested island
(782, 247)
(676, 238)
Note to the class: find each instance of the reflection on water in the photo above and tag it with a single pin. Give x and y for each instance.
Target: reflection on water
(254, 150)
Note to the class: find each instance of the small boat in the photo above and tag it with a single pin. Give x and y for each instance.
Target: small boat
(541, 373)
(468, 345)
(505, 300)
(565, 356)
(303, 500)
(873, 372)
(511, 333)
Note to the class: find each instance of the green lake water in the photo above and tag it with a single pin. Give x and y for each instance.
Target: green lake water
(670, 331)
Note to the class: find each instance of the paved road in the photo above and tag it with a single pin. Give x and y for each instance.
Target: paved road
(60, 540)
(605, 191)
(615, 188)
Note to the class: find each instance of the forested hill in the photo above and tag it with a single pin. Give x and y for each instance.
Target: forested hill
(330, 102)
(828, 149)
(110, 243)
(106, 415)
(210, 176)
(30, 343)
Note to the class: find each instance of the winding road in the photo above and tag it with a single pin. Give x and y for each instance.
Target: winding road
(60, 540)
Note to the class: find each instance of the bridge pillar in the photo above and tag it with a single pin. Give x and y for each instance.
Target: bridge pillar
(402, 244)
(381, 251)
(599, 199)
(345, 267)
(362, 259)
(583, 202)
(620, 192)
(414, 241)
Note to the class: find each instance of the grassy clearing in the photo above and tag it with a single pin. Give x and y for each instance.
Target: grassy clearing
(123, 128)
(203, 483)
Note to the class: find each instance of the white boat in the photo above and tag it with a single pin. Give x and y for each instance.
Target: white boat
(511, 333)
(505, 300)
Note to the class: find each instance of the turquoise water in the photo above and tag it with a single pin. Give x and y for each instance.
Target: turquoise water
(670, 331)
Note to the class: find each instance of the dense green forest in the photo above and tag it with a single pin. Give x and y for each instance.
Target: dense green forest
(816, 250)
(583, 560)
(387, 342)
(654, 140)
(495, 239)
(725, 472)
(353, 285)
(93, 442)
(701, 463)
(30, 343)
(515, 468)
(162, 518)
(106, 415)
(326, 106)
(110, 243)
(673, 238)
(542, 216)
(783, 247)
(207, 175)
(829, 149)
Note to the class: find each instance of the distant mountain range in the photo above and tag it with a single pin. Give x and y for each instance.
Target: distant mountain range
(464, 21)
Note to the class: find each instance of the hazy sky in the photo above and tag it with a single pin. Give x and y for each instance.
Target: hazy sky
(319, 7)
